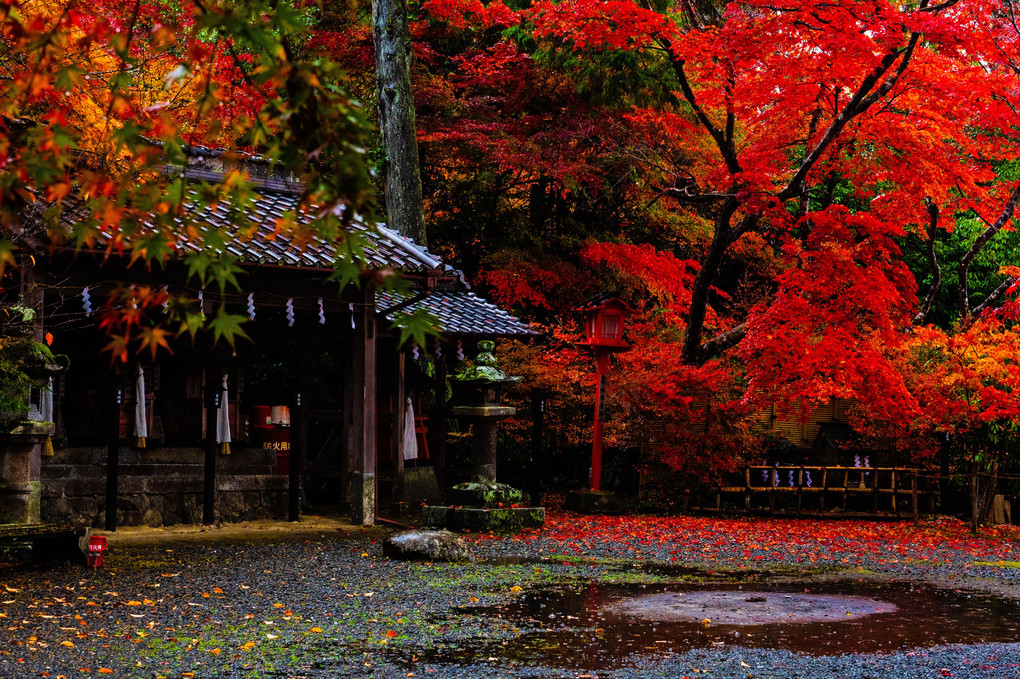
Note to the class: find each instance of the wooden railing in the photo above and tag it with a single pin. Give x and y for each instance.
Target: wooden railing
(868, 491)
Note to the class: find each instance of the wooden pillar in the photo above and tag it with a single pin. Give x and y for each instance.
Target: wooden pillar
(399, 415)
(113, 456)
(539, 396)
(212, 399)
(363, 413)
(298, 451)
(438, 424)
(602, 368)
(913, 496)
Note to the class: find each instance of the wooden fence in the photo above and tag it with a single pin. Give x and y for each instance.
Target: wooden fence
(808, 490)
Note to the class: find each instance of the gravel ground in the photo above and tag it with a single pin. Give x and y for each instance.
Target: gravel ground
(319, 600)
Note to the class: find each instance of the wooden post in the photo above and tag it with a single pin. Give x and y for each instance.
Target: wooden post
(602, 367)
(893, 481)
(913, 496)
(298, 450)
(874, 491)
(538, 462)
(363, 412)
(747, 490)
(800, 490)
(399, 414)
(846, 485)
(212, 401)
(113, 457)
(439, 423)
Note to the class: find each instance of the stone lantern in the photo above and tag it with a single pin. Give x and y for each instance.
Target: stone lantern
(482, 503)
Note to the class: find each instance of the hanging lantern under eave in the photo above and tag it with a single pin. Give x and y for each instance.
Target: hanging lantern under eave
(603, 322)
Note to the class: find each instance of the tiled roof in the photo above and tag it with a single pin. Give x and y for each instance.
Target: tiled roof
(384, 248)
(460, 313)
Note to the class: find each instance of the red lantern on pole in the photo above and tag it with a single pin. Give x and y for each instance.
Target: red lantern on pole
(603, 332)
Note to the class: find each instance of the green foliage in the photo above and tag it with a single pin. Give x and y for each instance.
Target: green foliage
(23, 364)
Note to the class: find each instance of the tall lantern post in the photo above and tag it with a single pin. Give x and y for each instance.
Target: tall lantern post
(603, 333)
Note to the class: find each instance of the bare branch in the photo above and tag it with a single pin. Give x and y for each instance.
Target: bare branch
(979, 243)
(864, 97)
(994, 297)
(724, 340)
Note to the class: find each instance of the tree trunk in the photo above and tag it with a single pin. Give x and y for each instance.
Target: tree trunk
(404, 209)
(982, 494)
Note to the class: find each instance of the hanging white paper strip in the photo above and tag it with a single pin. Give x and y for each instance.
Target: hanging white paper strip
(322, 313)
(351, 307)
(290, 312)
(86, 301)
(251, 306)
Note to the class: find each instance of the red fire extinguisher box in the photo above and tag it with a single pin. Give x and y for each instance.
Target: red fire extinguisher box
(97, 545)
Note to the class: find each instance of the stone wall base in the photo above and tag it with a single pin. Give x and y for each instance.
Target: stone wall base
(159, 487)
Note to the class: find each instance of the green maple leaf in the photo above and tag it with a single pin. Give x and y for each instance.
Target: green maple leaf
(227, 326)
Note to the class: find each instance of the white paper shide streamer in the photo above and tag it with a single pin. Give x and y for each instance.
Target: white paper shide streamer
(223, 420)
(141, 422)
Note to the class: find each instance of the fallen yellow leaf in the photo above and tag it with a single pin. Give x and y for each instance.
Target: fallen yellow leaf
(69, 644)
(316, 629)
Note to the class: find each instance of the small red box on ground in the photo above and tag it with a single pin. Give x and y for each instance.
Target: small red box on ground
(97, 545)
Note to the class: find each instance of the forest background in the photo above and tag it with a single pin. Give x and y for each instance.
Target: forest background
(802, 200)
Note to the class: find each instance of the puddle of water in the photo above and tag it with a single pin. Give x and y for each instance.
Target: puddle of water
(747, 608)
(606, 625)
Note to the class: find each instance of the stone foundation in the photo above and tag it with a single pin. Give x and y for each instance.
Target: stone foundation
(160, 487)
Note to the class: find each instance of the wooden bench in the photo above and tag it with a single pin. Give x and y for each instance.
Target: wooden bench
(41, 542)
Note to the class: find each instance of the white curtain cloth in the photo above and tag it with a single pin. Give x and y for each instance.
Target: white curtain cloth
(223, 417)
(141, 422)
(410, 439)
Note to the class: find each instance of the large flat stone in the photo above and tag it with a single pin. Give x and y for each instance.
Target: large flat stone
(427, 545)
